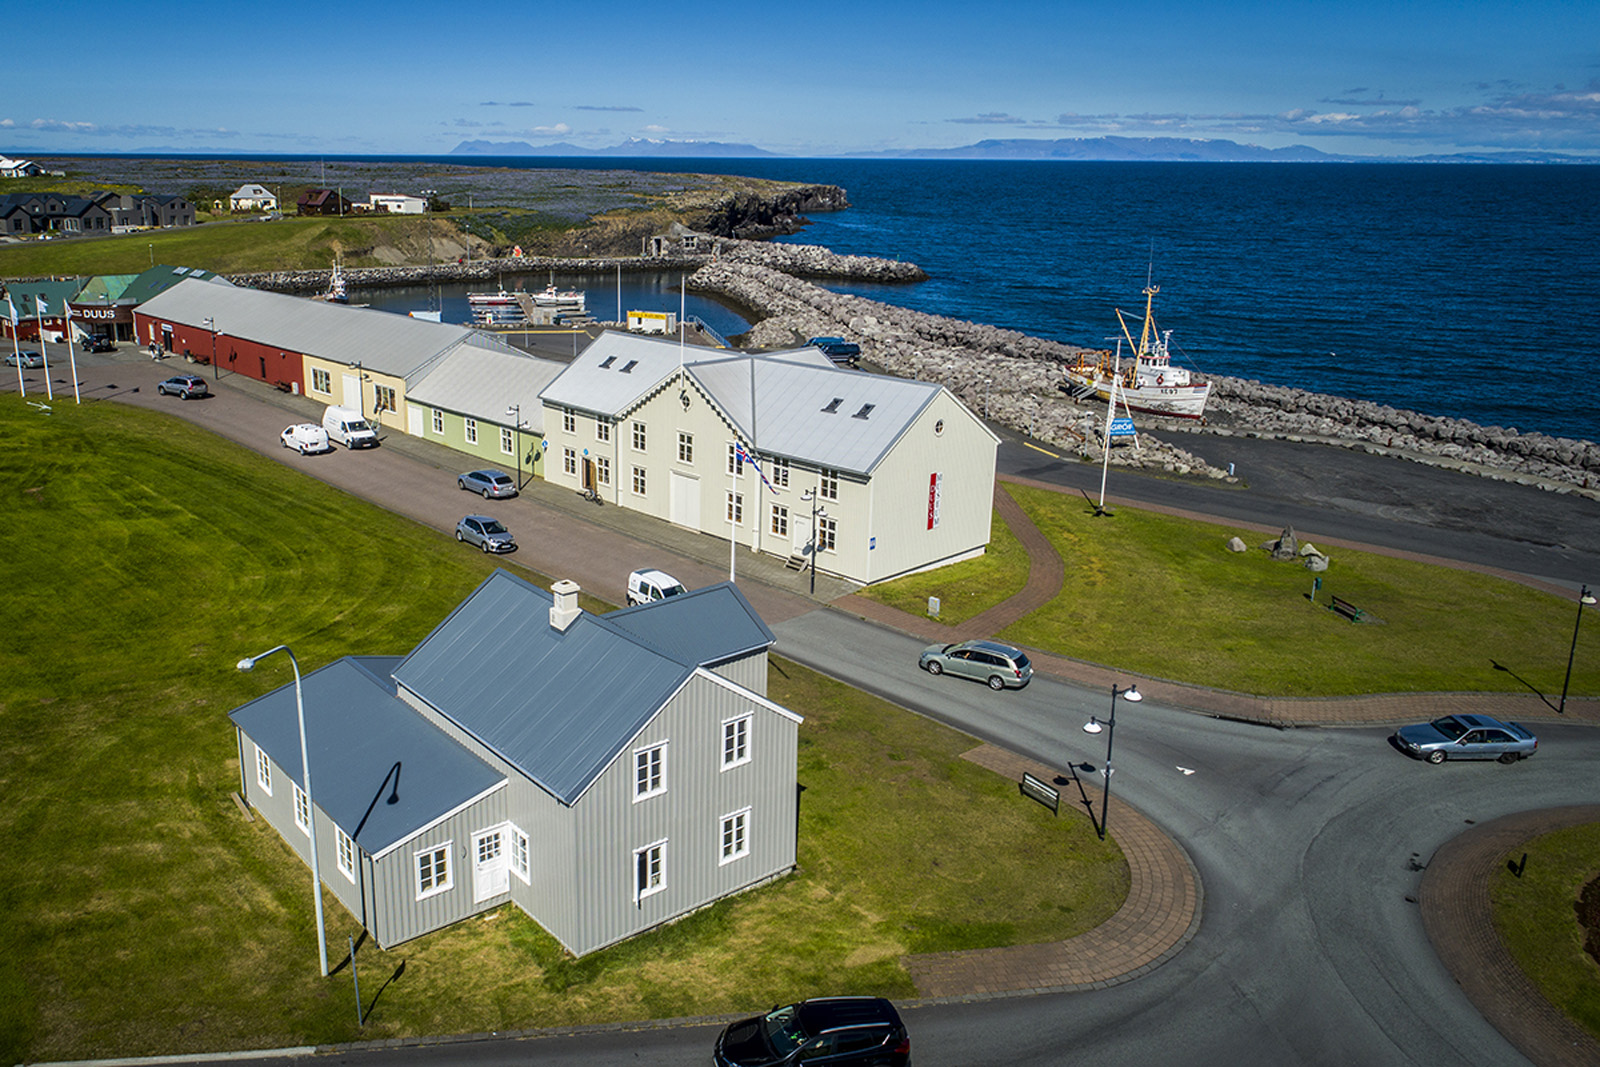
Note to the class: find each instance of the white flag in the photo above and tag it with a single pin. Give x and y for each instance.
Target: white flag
(44, 309)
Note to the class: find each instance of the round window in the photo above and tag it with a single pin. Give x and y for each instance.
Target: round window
(938, 428)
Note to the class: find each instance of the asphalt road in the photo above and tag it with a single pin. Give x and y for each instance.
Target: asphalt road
(1309, 843)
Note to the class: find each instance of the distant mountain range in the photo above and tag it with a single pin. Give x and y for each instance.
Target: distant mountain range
(1114, 149)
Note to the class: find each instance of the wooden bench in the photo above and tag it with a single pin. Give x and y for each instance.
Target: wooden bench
(1347, 609)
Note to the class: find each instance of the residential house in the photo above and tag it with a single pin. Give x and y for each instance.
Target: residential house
(900, 472)
(606, 774)
(397, 204)
(323, 202)
(24, 214)
(130, 211)
(19, 168)
(250, 197)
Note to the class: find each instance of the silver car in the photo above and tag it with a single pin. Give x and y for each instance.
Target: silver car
(25, 360)
(184, 385)
(491, 483)
(487, 533)
(1467, 737)
(1002, 666)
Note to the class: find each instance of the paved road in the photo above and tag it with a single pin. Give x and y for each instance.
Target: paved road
(1309, 842)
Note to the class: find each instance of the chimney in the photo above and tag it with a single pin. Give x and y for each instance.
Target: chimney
(565, 610)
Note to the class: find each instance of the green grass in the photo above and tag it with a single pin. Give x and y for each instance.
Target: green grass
(964, 589)
(1536, 918)
(1163, 596)
(144, 915)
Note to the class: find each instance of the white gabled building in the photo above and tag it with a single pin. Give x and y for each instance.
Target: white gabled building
(251, 197)
(901, 471)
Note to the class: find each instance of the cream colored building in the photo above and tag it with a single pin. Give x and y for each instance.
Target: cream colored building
(901, 474)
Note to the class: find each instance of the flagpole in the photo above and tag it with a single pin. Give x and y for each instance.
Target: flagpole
(16, 350)
(72, 355)
(44, 351)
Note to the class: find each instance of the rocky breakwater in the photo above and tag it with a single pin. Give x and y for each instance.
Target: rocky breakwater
(490, 271)
(1008, 377)
(814, 261)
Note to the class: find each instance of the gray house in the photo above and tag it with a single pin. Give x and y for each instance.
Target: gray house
(604, 773)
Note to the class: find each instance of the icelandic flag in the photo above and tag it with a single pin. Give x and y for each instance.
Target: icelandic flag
(745, 457)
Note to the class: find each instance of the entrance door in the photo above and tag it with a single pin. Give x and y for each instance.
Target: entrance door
(800, 526)
(685, 500)
(352, 391)
(413, 421)
(491, 872)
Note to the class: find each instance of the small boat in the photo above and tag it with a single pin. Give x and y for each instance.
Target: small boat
(497, 309)
(1152, 384)
(336, 293)
(566, 300)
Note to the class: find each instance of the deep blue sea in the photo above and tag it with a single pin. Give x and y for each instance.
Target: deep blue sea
(1462, 290)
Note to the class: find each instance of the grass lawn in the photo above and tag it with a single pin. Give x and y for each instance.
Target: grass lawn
(1536, 919)
(964, 589)
(1163, 596)
(144, 915)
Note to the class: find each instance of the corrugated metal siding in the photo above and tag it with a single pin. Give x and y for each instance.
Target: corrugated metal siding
(609, 825)
(395, 881)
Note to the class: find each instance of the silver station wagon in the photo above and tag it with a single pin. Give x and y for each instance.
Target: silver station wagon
(1001, 666)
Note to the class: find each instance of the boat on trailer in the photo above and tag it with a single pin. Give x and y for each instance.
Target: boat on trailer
(1152, 384)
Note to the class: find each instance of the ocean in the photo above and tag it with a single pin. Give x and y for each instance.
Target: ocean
(1459, 290)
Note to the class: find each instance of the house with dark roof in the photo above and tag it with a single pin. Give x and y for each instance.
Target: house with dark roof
(745, 444)
(24, 214)
(323, 202)
(130, 211)
(604, 773)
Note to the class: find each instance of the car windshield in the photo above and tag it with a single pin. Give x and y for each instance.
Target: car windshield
(784, 1031)
(672, 590)
(1449, 727)
(493, 526)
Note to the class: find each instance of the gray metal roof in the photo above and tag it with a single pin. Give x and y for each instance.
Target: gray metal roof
(616, 371)
(391, 344)
(559, 705)
(484, 382)
(357, 732)
(841, 419)
(707, 626)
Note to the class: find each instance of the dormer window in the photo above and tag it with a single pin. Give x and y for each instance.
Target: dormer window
(833, 405)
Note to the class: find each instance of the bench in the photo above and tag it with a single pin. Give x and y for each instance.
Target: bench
(1347, 609)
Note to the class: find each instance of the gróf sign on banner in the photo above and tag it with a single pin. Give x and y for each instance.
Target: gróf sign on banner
(1123, 427)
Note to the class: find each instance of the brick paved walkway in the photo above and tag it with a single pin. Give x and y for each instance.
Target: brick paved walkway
(1160, 915)
(1456, 913)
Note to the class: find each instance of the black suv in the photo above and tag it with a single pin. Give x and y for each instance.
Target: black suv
(831, 1031)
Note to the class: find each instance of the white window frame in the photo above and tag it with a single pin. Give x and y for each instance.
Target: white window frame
(569, 420)
(828, 484)
(735, 509)
(302, 809)
(569, 461)
(640, 436)
(780, 521)
(344, 854)
(778, 472)
(321, 381)
(641, 484)
(519, 861)
(602, 469)
(384, 398)
(472, 431)
(651, 759)
(735, 467)
(654, 854)
(734, 842)
(736, 740)
(827, 533)
(506, 446)
(686, 448)
(439, 885)
(263, 770)
(602, 429)
(438, 421)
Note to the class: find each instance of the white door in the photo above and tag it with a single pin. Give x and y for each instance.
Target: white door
(413, 421)
(800, 526)
(352, 391)
(685, 490)
(491, 871)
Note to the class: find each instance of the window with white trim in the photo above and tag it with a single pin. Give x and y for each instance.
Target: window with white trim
(736, 742)
(602, 469)
(778, 472)
(519, 854)
(735, 464)
(735, 836)
(569, 420)
(650, 870)
(321, 381)
(569, 460)
(505, 441)
(438, 421)
(302, 810)
(383, 399)
(345, 854)
(780, 520)
(602, 429)
(685, 447)
(649, 771)
(638, 436)
(472, 431)
(433, 870)
(735, 508)
(828, 485)
(638, 481)
(827, 533)
(263, 771)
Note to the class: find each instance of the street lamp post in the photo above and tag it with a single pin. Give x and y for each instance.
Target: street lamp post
(249, 663)
(810, 497)
(515, 411)
(1132, 696)
(1585, 598)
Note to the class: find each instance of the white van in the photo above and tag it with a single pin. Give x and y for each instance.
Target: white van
(646, 586)
(348, 427)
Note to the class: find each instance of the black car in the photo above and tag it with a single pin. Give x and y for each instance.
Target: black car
(837, 348)
(836, 1031)
(96, 343)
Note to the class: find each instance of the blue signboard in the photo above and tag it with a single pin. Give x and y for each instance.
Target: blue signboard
(1123, 428)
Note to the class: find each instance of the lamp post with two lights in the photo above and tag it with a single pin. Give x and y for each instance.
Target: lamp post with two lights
(1093, 726)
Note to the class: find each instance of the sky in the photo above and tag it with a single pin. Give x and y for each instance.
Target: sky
(816, 78)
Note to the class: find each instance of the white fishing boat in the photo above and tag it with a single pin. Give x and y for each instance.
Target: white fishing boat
(1152, 384)
(564, 300)
(336, 294)
(498, 308)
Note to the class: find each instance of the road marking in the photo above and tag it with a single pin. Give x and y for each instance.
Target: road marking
(1036, 448)
(1186, 770)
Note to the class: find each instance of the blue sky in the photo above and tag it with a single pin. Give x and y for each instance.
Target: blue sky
(818, 77)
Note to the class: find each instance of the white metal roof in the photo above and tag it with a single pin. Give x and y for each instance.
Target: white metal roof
(616, 371)
(484, 383)
(391, 344)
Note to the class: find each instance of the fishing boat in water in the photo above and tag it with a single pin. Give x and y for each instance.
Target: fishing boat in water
(563, 300)
(498, 308)
(336, 294)
(1152, 384)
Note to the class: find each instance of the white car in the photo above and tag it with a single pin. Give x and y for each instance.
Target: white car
(305, 438)
(645, 586)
